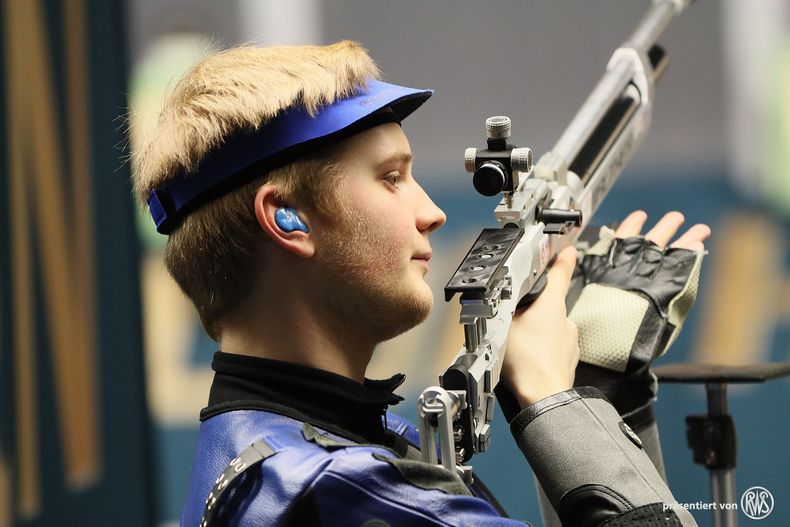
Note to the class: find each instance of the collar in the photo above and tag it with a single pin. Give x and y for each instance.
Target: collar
(320, 397)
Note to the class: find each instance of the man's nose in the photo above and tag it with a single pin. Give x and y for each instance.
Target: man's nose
(429, 216)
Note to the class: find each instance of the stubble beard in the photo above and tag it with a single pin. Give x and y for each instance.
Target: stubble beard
(360, 288)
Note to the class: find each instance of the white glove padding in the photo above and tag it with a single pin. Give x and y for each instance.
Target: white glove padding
(635, 299)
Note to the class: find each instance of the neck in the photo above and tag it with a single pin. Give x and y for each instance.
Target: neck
(281, 321)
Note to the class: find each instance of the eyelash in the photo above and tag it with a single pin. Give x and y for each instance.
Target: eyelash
(393, 178)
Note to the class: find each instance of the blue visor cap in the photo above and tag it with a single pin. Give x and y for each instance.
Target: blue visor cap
(287, 137)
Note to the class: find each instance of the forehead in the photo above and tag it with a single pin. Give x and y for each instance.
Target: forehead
(378, 145)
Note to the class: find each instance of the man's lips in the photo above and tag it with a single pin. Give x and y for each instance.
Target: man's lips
(423, 259)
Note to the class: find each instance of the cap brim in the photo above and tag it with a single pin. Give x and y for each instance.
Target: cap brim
(287, 137)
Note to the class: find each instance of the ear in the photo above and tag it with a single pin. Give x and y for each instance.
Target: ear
(266, 205)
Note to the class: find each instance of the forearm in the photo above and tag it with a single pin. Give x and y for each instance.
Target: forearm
(591, 466)
(632, 395)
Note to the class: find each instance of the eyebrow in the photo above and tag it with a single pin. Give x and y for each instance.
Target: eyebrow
(402, 157)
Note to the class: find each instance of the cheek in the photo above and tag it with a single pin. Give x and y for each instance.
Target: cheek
(395, 231)
(385, 226)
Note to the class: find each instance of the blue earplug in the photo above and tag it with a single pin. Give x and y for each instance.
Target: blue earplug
(288, 220)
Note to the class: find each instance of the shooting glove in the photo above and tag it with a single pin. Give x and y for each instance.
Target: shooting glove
(635, 299)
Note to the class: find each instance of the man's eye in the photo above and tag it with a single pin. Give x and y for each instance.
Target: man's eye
(393, 178)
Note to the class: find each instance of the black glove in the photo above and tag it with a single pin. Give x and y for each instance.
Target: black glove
(635, 299)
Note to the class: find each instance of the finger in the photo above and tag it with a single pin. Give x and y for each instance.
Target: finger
(692, 239)
(695, 246)
(632, 224)
(559, 276)
(666, 228)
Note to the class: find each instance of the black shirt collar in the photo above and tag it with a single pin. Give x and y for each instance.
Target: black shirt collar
(308, 394)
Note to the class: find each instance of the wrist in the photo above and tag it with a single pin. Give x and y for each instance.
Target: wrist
(529, 396)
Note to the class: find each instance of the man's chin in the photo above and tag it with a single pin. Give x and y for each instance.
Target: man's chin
(423, 300)
(407, 312)
(424, 307)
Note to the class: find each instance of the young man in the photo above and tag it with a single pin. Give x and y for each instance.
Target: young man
(296, 227)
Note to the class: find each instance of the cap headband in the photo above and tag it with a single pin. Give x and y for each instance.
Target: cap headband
(280, 141)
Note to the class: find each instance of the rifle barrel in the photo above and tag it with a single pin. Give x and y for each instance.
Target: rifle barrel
(612, 85)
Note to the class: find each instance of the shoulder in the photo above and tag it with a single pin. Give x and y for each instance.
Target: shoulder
(403, 427)
(298, 455)
(371, 485)
(292, 463)
(312, 474)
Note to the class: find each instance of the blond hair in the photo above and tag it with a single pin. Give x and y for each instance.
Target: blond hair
(209, 254)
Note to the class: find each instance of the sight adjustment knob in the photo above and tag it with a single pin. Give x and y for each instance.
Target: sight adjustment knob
(470, 158)
(521, 159)
(498, 127)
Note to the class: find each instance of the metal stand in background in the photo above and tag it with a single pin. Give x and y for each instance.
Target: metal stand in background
(711, 437)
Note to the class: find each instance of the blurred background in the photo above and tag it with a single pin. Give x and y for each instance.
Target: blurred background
(103, 365)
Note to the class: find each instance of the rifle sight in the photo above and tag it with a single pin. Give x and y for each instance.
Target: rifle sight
(496, 168)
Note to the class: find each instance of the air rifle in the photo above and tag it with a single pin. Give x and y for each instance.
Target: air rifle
(545, 208)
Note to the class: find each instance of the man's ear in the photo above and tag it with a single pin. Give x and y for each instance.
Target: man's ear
(266, 205)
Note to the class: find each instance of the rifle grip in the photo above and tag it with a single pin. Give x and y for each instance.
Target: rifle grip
(534, 293)
(507, 402)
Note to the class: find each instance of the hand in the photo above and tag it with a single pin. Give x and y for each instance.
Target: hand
(637, 291)
(664, 230)
(543, 345)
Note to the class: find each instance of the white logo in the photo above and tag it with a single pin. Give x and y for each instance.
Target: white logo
(544, 251)
(757, 503)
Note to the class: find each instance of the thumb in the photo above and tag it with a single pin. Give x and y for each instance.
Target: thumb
(561, 272)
